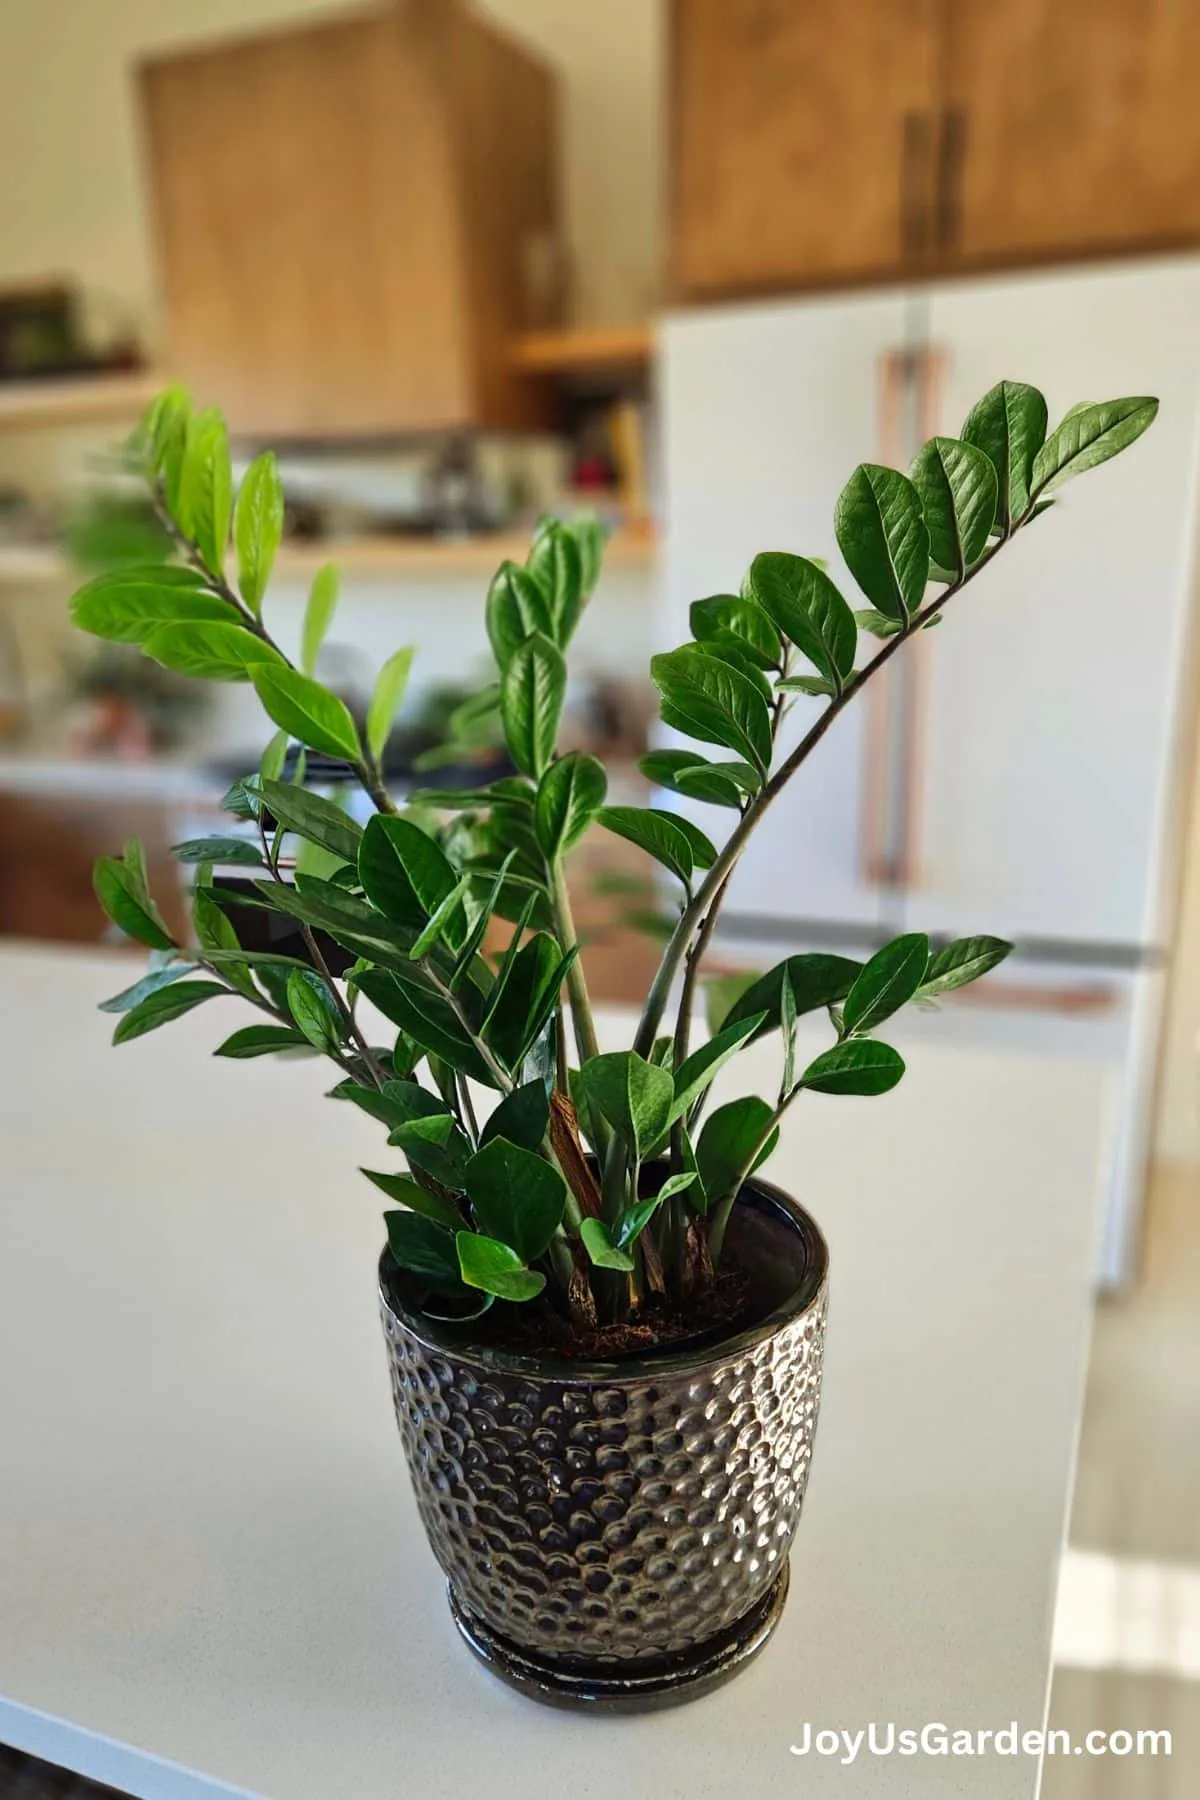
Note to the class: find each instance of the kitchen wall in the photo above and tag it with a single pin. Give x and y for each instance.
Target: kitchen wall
(72, 198)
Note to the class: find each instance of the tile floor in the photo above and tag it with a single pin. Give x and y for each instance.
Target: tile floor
(1127, 1637)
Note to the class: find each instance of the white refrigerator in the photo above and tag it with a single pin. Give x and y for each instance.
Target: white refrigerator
(1019, 769)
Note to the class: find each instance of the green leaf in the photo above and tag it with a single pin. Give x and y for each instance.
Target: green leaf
(166, 1004)
(485, 1263)
(428, 1019)
(532, 689)
(210, 652)
(808, 609)
(590, 536)
(555, 563)
(405, 1191)
(634, 1220)
(394, 1104)
(403, 871)
(307, 711)
(708, 699)
(386, 697)
(164, 433)
(704, 851)
(727, 1144)
(258, 528)
(864, 1066)
(313, 1008)
(517, 608)
(130, 997)
(214, 932)
(815, 980)
(261, 1040)
(435, 1145)
(570, 795)
(742, 618)
(1009, 426)
(599, 1242)
(124, 899)
(634, 1096)
(318, 614)
(1088, 436)
(524, 997)
(206, 487)
(445, 921)
(424, 1248)
(882, 535)
(721, 995)
(517, 1196)
(957, 485)
(958, 963)
(891, 978)
(688, 773)
(128, 604)
(660, 834)
(814, 685)
(219, 850)
(877, 623)
(523, 1117)
(314, 818)
(694, 1075)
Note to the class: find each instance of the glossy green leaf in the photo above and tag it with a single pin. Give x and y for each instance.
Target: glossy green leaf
(206, 487)
(517, 1196)
(219, 850)
(741, 618)
(815, 686)
(485, 1263)
(882, 535)
(403, 871)
(126, 605)
(721, 995)
(424, 1248)
(728, 1146)
(961, 962)
(708, 699)
(703, 1065)
(393, 1104)
(1088, 436)
(635, 1218)
(313, 1008)
(386, 697)
(318, 614)
(406, 1192)
(429, 1020)
(590, 536)
(599, 1242)
(1009, 426)
(307, 711)
(815, 980)
(569, 796)
(214, 932)
(555, 563)
(704, 851)
(658, 833)
(166, 1004)
(445, 921)
(517, 608)
(632, 1095)
(888, 981)
(808, 609)
(210, 652)
(149, 984)
(124, 899)
(877, 623)
(523, 1117)
(258, 528)
(687, 772)
(863, 1066)
(274, 758)
(261, 1040)
(532, 689)
(523, 999)
(313, 817)
(436, 1146)
(958, 489)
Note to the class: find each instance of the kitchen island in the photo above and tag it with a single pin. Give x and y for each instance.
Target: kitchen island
(212, 1577)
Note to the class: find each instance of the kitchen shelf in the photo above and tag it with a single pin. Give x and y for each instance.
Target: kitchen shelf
(633, 548)
(77, 399)
(621, 347)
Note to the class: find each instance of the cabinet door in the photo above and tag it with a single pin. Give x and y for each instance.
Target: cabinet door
(766, 409)
(1052, 728)
(1073, 127)
(802, 140)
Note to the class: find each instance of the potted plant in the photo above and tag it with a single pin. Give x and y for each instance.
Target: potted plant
(604, 1328)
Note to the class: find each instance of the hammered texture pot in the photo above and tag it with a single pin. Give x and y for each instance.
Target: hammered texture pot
(617, 1534)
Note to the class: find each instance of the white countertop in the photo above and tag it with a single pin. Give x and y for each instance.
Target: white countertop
(211, 1570)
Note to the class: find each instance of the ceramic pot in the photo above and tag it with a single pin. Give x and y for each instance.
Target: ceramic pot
(616, 1534)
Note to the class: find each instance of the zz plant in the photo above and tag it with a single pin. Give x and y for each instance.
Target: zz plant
(595, 1187)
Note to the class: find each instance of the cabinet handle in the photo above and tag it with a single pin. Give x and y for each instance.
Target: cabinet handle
(915, 153)
(952, 150)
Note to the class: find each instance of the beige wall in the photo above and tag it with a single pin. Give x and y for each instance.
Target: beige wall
(72, 199)
(1177, 1138)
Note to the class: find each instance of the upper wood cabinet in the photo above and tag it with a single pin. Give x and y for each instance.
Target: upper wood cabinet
(816, 144)
(345, 220)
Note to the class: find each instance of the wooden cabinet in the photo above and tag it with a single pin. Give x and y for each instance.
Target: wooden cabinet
(881, 138)
(801, 140)
(346, 218)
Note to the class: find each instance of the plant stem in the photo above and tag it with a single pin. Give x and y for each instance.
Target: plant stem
(708, 896)
(499, 1074)
(581, 1007)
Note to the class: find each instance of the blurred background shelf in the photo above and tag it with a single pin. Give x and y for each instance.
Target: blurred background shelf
(621, 348)
(77, 399)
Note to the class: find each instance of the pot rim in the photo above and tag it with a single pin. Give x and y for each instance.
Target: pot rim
(444, 1337)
